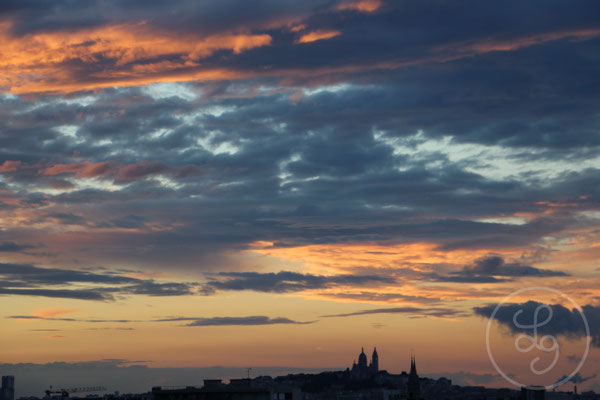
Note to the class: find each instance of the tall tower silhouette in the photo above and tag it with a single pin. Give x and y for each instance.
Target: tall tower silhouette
(414, 386)
(362, 360)
(374, 366)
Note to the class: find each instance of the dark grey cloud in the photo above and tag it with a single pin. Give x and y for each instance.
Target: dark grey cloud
(68, 218)
(93, 320)
(12, 247)
(383, 297)
(37, 275)
(577, 378)
(102, 284)
(152, 288)
(288, 281)
(564, 321)
(58, 293)
(494, 269)
(212, 17)
(345, 161)
(440, 312)
(467, 279)
(235, 321)
(191, 321)
(29, 280)
(495, 266)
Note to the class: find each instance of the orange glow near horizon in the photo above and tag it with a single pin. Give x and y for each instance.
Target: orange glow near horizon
(407, 261)
(344, 257)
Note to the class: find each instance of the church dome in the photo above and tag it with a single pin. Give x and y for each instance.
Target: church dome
(362, 358)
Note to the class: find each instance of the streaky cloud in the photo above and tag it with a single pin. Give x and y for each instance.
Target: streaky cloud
(236, 321)
(415, 311)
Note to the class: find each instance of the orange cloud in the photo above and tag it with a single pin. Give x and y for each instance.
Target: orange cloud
(406, 262)
(10, 166)
(366, 6)
(39, 61)
(52, 312)
(493, 44)
(298, 28)
(136, 54)
(84, 169)
(335, 258)
(317, 35)
(128, 172)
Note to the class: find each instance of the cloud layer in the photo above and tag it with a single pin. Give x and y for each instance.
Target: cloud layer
(563, 321)
(29, 280)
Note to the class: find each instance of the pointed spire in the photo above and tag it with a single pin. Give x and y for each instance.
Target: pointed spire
(413, 363)
(414, 387)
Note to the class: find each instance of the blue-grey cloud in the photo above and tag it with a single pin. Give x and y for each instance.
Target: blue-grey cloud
(577, 378)
(563, 321)
(440, 312)
(494, 269)
(35, 317)
(29, 280)
(288, 281)
(235, 321)
(12, 247)
(495, 266)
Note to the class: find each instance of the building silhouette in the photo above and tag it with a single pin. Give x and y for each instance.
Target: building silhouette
(414, 385)
(237, 389)
(533, 393)
(7, 391)
(374, 366)
(362, 370)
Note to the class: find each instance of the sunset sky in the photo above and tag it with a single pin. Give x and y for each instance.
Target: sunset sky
(277, 183)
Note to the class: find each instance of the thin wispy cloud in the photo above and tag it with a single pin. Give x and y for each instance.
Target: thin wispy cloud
(413, 311)
(235, 321)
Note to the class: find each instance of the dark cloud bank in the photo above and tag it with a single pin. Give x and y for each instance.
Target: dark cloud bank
(101, 284)
(564, 322)
(322, 167)
(29, 280)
